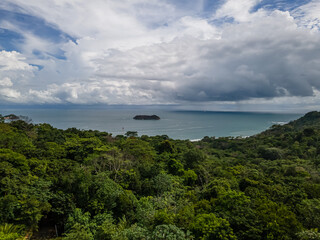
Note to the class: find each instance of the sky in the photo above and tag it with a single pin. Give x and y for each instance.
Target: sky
(248, 55)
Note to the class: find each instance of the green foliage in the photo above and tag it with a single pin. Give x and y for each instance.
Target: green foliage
(78, 232)
(215, 188)
(175, 167)
(271, 153)
(208, 226)
(17, 160)
(10, 232)
(132, 134)
(17, 141)
(163, 182)
(189, 177)
(236, 207)
(168, 232)
(93, 186)
(47, 133)
(79, 148)
(9, 236)
(77, 217)
(278, 220)
(105, 194)
(135, 232)
(107, 229)
(309, 210)
(145, 212)
(166, 146)
(193, 157)
(312, 234)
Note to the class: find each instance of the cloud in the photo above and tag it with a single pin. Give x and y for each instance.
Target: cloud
(152, 52)
(5, 82)
(12, 61)
(240, 11)
(14, 74)
(14, 70)
(308, 15)
(10, 94)
(265, 58)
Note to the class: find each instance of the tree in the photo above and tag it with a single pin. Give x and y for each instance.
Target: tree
(166, 146)
(309, 210)
(312, 234)
(168, 232)
(132, 134)
(278, 221)
(192, 158)
(105, 194)
(271, 153)
(78, 232)
(208, 226)
(236, 207)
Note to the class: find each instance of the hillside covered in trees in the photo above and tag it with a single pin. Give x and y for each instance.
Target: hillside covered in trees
(82, 184)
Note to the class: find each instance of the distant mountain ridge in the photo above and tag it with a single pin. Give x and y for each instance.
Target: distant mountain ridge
(309, 120)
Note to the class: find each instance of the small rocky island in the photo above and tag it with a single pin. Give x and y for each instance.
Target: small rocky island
(146, 117)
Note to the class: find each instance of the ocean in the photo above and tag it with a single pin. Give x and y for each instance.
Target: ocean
(191, 125)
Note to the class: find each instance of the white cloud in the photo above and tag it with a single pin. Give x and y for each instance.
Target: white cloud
(12, 61)
(5, 82)
(268, 57)
(10, 95)
(149, 52)
(14, 72)
(240, 11)
(309, 15)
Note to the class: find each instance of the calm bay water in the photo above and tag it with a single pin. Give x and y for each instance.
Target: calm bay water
(176, 124)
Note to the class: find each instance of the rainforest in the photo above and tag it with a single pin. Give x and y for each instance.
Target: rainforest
(83, 184)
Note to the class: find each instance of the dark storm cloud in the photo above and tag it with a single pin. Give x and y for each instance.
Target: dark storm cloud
(270, 57)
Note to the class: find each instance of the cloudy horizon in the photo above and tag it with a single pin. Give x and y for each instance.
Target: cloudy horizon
(210, 55)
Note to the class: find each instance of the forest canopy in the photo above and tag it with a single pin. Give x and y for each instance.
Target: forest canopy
(86, 184)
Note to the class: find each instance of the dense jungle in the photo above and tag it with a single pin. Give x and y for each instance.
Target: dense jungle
(83, 184)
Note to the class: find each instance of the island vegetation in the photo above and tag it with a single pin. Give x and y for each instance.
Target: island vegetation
(146, 117)
(83, 184)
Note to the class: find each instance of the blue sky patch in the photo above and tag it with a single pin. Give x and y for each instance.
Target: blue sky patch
(282, 5)
(9, 39)
(12, 40)
(35, 25)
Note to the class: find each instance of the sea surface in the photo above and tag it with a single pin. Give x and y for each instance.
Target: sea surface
(191, 125)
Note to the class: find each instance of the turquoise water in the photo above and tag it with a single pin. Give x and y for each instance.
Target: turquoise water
(176, 124)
